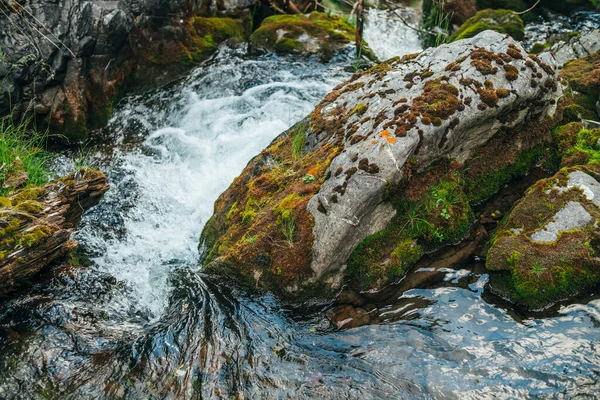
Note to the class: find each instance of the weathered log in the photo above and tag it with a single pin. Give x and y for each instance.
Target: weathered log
(36, 224)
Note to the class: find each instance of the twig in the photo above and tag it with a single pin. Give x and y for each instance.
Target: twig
(529, 9)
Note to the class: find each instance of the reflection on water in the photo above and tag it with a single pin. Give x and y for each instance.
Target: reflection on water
(143, 322)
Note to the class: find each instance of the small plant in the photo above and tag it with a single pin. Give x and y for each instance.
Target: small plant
(445, 214)
(288, 224)
(538, 269)
(514, 257)
(308, 178)
(298, 140)
(250, 240)
(21, 153)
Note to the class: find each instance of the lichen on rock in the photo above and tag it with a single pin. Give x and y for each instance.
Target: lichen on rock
(412, 135)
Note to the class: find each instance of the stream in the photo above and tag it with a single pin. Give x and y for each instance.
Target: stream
(141, 321)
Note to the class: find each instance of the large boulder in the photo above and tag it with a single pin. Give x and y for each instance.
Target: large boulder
(36, 224)
(549, 247)
(389, 162)
(503, 21)
(69, 61)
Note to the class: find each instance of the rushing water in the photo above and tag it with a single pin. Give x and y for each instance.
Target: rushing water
(143, 322)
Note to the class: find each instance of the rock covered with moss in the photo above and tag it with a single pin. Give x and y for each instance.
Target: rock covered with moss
(502, 21)
(548, 249)
(36, 224)
(581, 78)
(315, 33)
(385, 169)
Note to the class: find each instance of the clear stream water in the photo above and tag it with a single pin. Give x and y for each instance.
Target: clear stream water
(142, 322)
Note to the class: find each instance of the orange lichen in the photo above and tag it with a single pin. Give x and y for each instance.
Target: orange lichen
(391, 139)
(385, 133)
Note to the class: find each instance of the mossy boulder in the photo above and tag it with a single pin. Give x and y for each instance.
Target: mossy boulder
(385, 169)
(502, 21)
(582, 80)
(298, 34)
(547, 249)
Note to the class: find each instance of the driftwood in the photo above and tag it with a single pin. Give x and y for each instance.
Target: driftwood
(36, 224)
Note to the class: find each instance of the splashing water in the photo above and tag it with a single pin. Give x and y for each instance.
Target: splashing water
(387, 35)
(143, 322)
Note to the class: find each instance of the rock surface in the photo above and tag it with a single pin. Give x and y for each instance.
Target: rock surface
(582, 45)
(36, 224)
(455, 122)
(548, 249)
(68, 61)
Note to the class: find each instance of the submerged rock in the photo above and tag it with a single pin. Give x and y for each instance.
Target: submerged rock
(548, 249)
(502, 21)
(316, 33)
(36, 224)
(389, 161)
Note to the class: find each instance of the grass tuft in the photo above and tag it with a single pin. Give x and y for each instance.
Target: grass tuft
(22, 151)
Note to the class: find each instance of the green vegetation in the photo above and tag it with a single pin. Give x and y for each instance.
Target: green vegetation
(298, 139)
(442, 215)
(435, 24)
(23, 160)
(503, 21)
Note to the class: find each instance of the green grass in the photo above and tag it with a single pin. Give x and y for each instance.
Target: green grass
(18, 142)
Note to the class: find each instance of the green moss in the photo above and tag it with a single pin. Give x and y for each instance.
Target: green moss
(360, 109)
(33, 237)
(537, 48)
(576, 112)
(13, 225)
(30, 206)
(5, 202)
(483, 187)
(233, 211)
(250, 210)
(503, 21)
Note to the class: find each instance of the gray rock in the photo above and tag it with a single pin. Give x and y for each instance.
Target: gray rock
(360, 212)
(571, 216)
(582, 45)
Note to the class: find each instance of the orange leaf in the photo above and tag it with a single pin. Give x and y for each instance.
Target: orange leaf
(312, 171)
